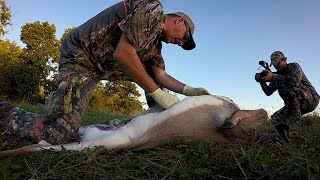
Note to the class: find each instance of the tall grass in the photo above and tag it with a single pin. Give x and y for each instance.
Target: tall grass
(298, 160)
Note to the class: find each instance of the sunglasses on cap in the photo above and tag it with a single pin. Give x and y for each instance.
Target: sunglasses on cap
(187, 36)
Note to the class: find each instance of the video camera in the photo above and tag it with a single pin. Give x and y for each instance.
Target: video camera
(264, 73)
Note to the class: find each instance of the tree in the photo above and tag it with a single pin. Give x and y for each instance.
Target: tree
(9, 61)
(117, 97)
(66, 33)
(5, 17)
(15, 73)
(42, 49)
(124, 95)
(42, 45)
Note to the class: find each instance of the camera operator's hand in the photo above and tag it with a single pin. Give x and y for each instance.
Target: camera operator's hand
(268, 77)
(257, 77)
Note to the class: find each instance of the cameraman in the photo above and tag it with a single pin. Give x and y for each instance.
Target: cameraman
(299, 96)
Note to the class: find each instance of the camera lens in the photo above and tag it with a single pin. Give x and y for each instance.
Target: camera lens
(264, 73)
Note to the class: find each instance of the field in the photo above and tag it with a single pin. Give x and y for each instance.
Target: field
(298, 160)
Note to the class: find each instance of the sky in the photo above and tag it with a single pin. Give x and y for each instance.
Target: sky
(231, 37)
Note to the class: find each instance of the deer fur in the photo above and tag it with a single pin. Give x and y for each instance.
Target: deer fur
(194, 120)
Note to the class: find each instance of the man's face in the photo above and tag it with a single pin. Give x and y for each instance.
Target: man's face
(177, 33)
(281, 65)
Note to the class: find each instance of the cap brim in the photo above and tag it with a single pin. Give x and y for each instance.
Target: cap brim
(189, 44)
(274, 62)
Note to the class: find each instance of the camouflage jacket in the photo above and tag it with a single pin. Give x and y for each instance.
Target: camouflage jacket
(92, 44)
(293, 76)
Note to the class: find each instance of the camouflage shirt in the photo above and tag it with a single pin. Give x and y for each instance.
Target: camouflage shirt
(293, 76)
(93, 43)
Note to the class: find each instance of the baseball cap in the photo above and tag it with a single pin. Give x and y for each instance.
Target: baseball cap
(275, 57)
(189, 44)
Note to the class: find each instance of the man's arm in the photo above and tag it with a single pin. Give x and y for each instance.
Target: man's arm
(128, 58)
(167, 81)
(266, 89)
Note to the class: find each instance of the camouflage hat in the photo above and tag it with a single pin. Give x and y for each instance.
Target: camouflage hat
(275, 57)
(189, 44)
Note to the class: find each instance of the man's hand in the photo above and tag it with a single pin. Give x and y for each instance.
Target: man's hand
(164, 99)
(257, 77)
(268, 77)
(191, 91)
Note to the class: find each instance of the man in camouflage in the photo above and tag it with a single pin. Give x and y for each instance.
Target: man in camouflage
(121, 42)
(299, 96)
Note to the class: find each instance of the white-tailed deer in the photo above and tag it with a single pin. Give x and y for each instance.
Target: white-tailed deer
(194, 120)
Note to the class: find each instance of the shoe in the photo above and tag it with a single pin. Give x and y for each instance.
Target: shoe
(284, 135)
(5, 109)
(283, 131)
(277, 140)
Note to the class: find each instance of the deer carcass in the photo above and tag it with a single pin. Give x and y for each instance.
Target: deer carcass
(196, 119)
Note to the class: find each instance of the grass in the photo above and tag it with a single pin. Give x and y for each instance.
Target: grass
(298, 160)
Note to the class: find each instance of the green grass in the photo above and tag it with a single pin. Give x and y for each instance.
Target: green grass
(298, 160)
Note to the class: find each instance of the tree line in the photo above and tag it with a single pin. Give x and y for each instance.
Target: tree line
(28, 73)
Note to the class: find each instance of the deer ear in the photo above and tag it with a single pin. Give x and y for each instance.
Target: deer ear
(232, 121)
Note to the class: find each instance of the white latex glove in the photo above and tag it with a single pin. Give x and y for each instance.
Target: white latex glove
(191, 91)
(164, 99)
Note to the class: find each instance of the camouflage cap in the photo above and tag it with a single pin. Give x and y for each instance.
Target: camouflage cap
(275, 57)
(189, 44)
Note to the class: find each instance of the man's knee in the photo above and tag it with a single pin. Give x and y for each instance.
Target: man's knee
(276, 120)
(284, 116)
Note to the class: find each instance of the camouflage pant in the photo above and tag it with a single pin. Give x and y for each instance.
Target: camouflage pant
(297, 102)
(64, 109)
(17, 119)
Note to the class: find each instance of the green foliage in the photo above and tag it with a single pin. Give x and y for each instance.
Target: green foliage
(66, 33)
(10, 63)
(19, 80)
(119, 97)
(25, 72)
(5, 17)
(29, 74)
(42, 49)
(42, 45)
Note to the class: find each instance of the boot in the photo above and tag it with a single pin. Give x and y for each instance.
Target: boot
(20, 123)
(5, 109)
(283, 131)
